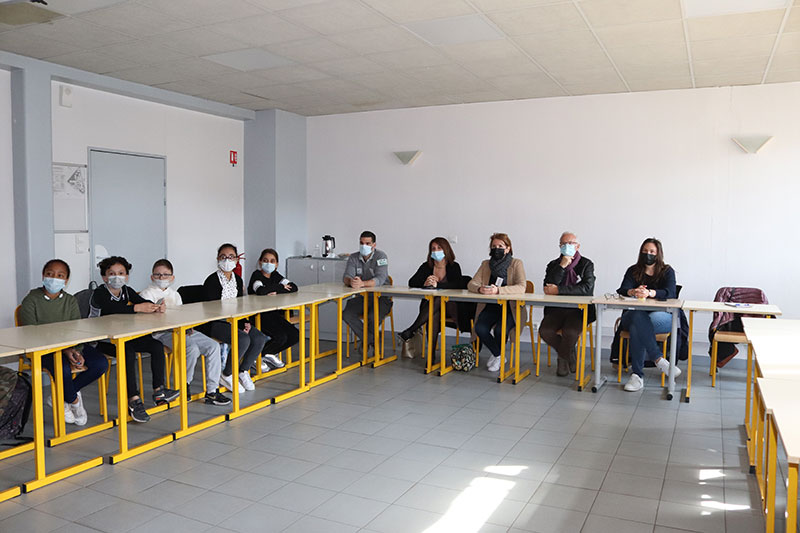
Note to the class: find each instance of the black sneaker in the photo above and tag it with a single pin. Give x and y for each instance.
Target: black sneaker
(138, 412)
(165, 395)
(188, 393)
(216, 398)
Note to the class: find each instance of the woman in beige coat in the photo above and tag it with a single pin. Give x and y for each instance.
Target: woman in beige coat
(500, 274)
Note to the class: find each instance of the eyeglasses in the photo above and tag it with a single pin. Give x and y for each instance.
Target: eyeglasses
(162, 276)
(232, 257)
(612, 296)
(575, 243)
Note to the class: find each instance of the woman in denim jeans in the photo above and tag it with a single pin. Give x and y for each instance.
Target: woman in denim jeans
(650, 277)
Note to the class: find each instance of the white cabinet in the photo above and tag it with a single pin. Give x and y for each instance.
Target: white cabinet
(311, 270)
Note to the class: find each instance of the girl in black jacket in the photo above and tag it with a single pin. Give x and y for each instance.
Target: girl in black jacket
(439, 271)
(264, 282)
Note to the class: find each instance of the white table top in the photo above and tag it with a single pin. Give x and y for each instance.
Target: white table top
(780, 397)
(777, 357)
(649, 303)
(463, 294)
(721, 307)
(48, 336)
(766, 326)
(8, 351)
(330, 290)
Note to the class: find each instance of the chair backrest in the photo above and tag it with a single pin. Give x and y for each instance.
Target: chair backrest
(84, 297)
(528, 287)
(678, 291)
(744, 295)
(16, 316)
(465, 281)
(191, 294)
(389, 279)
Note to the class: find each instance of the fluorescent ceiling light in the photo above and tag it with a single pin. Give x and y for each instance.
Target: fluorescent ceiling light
(455, 30)
(71, 7)
(249, 59)
(711, 8)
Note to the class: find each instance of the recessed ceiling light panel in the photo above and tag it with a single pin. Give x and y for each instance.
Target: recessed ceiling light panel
(455, 30)
(249, 59)
(711, 8)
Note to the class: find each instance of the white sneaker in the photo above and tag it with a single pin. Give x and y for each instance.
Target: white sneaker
(79, 413)
(227, 382)
(634, 384)
(273, 360)
(493, 365)
(69, 418)
(663, 365)
(245, 381)
(265, 367)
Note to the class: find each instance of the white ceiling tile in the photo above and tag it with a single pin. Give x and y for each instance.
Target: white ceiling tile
(428, 100)
(423, 56)
(754, 45)
(199, 42)
(448, 78)
(22, 42)
(492, 95)
(259, 105)
(789, 43)
(93, 61)
(793, 22)
(205, 11)
(380, 39)
(501, 67)
(72, 7)
(543, 19)
(153, 75)
(143, 52)
(505, 5)
(284, 93)
(785, 62)
(290, 74)
(646, 33)
(482, 51)
(455, 30)
(344, 91)
(235, 80)
(599, 87)
(739, 25)
(310, 50)
(642, 56)
(707, 8)
(279, 5)
(195, 67)
(411, 10)
(527, 86)
(568, 51)
(347, 67)
(394, 83)
(655, 71)
(261, 30)
(603, 13)
(605, 76)
(725, 80)
(135, 20)
(192, 86)
(249, 59)
(230, 97)
(660, 84)
(783, 76)
(730, 65)
(78, 33)
(335, 16)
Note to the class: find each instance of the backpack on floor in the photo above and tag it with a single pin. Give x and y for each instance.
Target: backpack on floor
(462, 357)
(15, 403)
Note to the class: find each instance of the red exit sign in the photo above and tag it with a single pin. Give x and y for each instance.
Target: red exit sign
(234, 158)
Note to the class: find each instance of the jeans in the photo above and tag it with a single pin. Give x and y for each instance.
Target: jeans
(491, 320)
(643, 327)
(250, 343)
(196, 344)
(96, 365)
(355, 307)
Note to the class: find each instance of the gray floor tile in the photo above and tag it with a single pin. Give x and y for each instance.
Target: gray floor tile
(690, 517)
(605, 524)
(564, 497)
(250, 486)
(625, 507)
(329, 477)
(121, 516)
(545, 519)
(207, 475)
(429, 498)
(31, 520)
(285, 468)
(575, 476)
(167, 495)
(381, 488)
(350, 509)
(77, 504)
(258, 518)
(212, 507)
(645, 487)
(171, 523)
(356, 460)
(312, 524)
(406, 469)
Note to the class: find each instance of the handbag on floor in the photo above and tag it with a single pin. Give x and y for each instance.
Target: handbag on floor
(462, 357)
(15, 404)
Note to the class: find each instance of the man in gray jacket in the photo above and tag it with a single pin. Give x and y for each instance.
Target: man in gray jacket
(369, 267)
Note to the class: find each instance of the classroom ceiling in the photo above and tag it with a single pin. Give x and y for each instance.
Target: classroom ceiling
(317, 57)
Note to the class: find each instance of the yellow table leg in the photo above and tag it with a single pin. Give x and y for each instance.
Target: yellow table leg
(122, 396)
(771, 472)
(518, 306)
(365, 325)
(339, 368)
(380, 358)
(503, 322)
(302, 366)
(748, 386)
(689, 362)
(584, 379)
(57, 385)
(429, 347)
(234, 354)
(760, 444)
(791, 499)
(444, 368)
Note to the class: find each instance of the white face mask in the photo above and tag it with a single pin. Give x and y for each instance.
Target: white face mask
(365, 249)
(116, 282)
(162, 283)
(227, 265)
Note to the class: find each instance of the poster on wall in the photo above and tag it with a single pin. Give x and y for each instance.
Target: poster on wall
(69, 197)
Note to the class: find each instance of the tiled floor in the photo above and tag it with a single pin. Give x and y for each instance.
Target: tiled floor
(392, 450)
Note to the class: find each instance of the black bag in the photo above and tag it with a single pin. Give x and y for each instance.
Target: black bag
(16, 398)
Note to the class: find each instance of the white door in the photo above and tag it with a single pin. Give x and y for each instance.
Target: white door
(127, 211)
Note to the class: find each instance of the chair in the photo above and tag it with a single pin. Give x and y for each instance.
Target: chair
(737, 295)
(390, 315)
(529, 289)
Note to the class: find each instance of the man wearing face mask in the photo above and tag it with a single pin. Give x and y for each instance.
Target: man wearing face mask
(570, 274)
(369, 267)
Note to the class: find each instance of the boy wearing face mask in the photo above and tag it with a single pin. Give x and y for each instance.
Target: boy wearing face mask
(369, 267)
(160, 290)
(569, 275)
(267, 281)
(115, 297)
(47, 304)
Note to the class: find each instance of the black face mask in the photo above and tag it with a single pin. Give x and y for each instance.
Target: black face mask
(497, 253)
(648, 259)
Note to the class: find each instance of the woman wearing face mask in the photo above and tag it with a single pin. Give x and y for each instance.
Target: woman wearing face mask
(115, 297)
(49, 303)
(650, 277)
(267, 281)
(500, 274)
(439, 271)
(222, 285)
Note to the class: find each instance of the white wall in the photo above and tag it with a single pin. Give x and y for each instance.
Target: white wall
(204, 193)
(8, 289)
(613, 168)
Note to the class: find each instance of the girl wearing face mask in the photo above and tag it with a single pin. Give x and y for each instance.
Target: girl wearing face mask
(115, 297)
(439, 271)
(650, 277)
(224, 284)
(49, 303)
(500, 274)
(267, 281)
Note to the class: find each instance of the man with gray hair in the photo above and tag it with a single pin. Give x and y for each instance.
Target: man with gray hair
(570, 275)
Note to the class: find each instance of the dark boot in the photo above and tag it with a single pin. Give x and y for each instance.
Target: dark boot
(572, 361)
(562, 367)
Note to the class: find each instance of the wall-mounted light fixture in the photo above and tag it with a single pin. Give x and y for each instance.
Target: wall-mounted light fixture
(408, 157)
(752, 144)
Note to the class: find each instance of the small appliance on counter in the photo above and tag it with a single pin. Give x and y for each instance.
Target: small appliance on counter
(328, 244)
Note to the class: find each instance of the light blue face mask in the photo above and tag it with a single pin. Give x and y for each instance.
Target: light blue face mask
(365, 249)
(568, 250)
(268, 268)
(437, 255)
(54, 285)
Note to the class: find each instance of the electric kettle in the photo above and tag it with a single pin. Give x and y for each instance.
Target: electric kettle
(328, 244)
